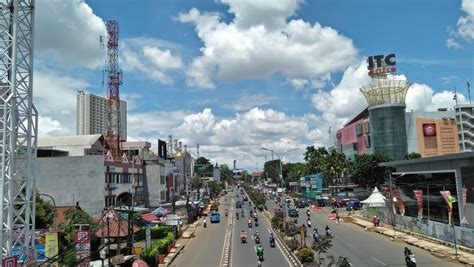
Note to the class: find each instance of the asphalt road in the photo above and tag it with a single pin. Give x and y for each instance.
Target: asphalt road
(244, 255)
(207, 248)
(363, 248)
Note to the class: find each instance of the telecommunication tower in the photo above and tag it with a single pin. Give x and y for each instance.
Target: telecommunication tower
(114, 80)
(18, 132)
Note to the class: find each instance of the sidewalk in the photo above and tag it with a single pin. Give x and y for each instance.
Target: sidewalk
(188, 232)
(437, 248)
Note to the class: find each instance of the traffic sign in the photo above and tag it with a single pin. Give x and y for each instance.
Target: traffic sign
(10, 261)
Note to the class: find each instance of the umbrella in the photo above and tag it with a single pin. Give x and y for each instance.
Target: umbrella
(139, 263)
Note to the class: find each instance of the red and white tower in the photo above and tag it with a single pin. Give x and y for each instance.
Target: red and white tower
(114, 80)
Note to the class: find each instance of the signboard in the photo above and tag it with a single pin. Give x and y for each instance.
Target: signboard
(51, 245)
(10, 262)
(83, 247)
(172, 219)
(380, 65)
(293, 183)
(429, 129)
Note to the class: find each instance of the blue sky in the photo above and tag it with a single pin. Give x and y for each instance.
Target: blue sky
(236, 75)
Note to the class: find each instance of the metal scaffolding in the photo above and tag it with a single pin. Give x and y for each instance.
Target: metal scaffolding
(18, 132)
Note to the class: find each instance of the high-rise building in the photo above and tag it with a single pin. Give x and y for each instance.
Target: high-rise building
(91, 115)
(465, 121)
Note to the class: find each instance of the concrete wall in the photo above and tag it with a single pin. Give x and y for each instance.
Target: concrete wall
(71, 179)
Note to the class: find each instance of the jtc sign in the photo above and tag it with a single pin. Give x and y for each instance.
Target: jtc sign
(380, 64)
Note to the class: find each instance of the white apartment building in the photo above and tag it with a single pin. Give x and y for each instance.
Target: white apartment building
(91, 115)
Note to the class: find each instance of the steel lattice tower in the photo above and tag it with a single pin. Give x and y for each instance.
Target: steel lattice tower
(114, 80)
(18, 132)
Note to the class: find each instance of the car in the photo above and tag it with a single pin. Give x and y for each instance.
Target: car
(245, 198)
(302, 204)
(353, 205)
(238, 204)
(293, 213)
(215, 217)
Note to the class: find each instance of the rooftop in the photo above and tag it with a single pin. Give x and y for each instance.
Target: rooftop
(72, 140)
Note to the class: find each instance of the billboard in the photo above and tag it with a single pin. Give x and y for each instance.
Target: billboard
(51, 245)
(429, 129)
(380, 65)
(162, 149)
(83, 247)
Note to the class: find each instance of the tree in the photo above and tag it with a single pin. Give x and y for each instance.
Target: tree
(196, 182)
(203, 161)
(332, 163)
(293, 171)
(322, 245)
(45, 213)
(412, 155)
(367, 172)
(272, 169)
(226, 173)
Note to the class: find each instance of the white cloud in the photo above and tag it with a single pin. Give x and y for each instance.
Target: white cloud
(249, 101)
(421, 97)
(254, 45)
(466, 23)
(69, 31)
(452, 43)
(271, 14)
(55, 98)
(149, 58)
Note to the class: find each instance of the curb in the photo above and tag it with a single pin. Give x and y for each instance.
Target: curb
(282, 244)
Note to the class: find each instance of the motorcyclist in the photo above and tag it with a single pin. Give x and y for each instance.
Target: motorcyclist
(257, 237)
(308, 212)
(315, 234)
(260, 251)
(226, 212)
(309, 223)
(243, 213)
(409, 257)
(249, 222)
(272, 240)
(328, 231)
(204, 223)
(237, 215)
(243, 236)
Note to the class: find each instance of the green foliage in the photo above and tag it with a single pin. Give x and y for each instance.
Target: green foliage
(258, 198)
(412, 155)
(367, 172)
(215, 187)
(293, 171)
(226, 172)
(305, 255)
(156, 232)
(196, 182)
(272, 169)
(203, 161)
(45, 213)
(292, 229)
(332, 163)
(157, 247)
(67, 231)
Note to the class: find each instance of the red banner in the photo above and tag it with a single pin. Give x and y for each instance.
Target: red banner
(419, 200)
(401, 204)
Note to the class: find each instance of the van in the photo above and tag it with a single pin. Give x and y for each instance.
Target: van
(238, 204)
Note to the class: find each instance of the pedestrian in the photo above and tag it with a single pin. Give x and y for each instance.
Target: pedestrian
(374, 221)
(378, 221)
(337, 218)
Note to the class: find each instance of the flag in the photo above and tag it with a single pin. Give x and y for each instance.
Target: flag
(464, 197)
(419, 200)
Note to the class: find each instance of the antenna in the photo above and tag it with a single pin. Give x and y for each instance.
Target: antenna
(455, 97)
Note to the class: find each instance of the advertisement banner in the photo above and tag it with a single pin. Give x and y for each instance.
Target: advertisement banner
(464, 198)
(51, 245)
(446, 195)
(401, 204)
(10, 261)
(429, 129)
(419, 200)
(83, 247)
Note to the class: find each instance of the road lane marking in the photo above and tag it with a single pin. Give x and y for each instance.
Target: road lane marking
(283, 250)
(378, 261)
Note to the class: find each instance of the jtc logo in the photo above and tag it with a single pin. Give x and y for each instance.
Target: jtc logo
(379, 65)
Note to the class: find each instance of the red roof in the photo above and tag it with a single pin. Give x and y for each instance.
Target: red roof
(116, 228)
(60, 216)
(257, 174)
(149, 217)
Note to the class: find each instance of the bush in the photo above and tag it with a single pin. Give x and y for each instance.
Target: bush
(305, 255)
(156, 232)
(157, 247)
(293, 244)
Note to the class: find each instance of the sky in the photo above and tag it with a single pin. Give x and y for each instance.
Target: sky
(237, 75)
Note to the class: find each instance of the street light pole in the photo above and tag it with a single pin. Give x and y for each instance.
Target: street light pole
(279, 158)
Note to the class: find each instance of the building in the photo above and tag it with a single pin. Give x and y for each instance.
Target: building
(354, 139)
(216, 173)
(423, 188)
(386, 101)
(311, 185)
(428, 133)
(137, 148)
(465, 120)
(432, 133)
(91, 115)
(73, 169)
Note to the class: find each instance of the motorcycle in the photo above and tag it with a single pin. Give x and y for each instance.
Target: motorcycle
(272, 242)
(260, 257)
(237, 216)
(257, 240)
(243, 238)
(250, 225)
(226, 214)
(204, 224)
(256, 223)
